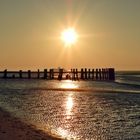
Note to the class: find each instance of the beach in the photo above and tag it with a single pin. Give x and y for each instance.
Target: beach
(13, 129)
(40, 109)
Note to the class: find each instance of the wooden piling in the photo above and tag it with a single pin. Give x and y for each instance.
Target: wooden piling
(74, 74)
(29, 74)
(52, 74)
(100, 74)
(38, 74)
(92, 74)
(20, 74)
(89, 73)
(85, 73)
(60, 75)
(107, 74)
(5, 73)
(96, 72)
(82, 74)
(45, 74)
(13, 76)
(111, 74)
(103, 75)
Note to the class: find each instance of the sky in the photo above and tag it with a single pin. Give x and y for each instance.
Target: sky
(109, 34)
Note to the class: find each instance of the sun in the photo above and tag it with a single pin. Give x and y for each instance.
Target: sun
(69, 36)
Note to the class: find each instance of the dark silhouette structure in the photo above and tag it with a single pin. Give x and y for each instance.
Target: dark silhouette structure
(61, 74)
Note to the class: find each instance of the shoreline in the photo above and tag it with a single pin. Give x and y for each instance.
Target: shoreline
(13, 129)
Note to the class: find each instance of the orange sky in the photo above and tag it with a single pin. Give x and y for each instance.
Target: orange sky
(30, 34)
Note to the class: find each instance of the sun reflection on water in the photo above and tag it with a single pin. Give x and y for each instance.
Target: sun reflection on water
(69, 106)
(67, 119)
(63, 132)
(69, 85)
(64, 129)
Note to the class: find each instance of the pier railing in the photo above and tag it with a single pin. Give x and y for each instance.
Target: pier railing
(62, 74)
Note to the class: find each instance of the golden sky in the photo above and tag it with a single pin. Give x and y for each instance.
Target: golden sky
(109, 34)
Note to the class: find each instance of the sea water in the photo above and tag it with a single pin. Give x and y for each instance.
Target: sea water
(77, 109)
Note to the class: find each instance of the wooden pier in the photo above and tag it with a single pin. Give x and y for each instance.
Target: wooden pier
(103, 74)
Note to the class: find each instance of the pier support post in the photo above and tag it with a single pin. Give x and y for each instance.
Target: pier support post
(103, 74)
(5, 73)
(85, 73)
(52, 74)
(111, 74)
(100, 75)
(20, 74)
(60, 75)
(38, 74)
(45, 74)
(89, 73)
(73, 74)
(92, 74)
(82, 74)
(107, 74)
(29, 74)
(77, 74)
(96, 74)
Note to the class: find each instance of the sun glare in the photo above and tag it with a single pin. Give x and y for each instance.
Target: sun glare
(69, 36)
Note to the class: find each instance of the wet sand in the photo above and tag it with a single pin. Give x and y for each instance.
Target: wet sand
(13, 129)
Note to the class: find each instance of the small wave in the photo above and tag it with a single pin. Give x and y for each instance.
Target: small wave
(88, 90)
(130, 84)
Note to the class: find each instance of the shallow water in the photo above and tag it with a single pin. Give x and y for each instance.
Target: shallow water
(77, 109)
